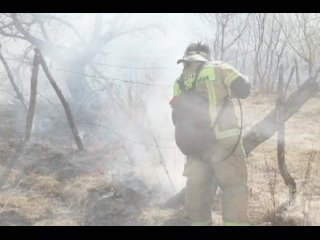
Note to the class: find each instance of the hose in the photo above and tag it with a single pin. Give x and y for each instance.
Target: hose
(240, 134)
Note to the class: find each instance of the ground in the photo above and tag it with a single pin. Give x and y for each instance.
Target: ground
(54, 184)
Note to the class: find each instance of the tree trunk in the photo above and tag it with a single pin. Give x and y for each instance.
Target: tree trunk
(266, 128)
(288, 179)
(64, 103)
(33, 96)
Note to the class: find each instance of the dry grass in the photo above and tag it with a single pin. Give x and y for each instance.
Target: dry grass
(58, 221)
(75, 191)
(13, 179)
(48, 201)
(33, 206)
(46, 185)
(157, 216)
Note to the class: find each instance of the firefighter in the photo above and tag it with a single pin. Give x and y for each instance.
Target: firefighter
(208, 133)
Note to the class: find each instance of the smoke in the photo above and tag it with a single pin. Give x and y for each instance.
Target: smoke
(147, 133)
(129, 85)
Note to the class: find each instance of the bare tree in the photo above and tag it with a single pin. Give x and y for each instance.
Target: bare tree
(257, 43)
(305, 40)
(268, 37)
(80, 51)
(228, 29)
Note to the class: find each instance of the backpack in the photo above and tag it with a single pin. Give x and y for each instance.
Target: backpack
(193, 132)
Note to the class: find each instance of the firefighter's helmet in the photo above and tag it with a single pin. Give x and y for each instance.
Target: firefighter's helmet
(198, 51)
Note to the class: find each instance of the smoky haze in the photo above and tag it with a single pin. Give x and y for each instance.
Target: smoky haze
(117, 70)
(143, 62)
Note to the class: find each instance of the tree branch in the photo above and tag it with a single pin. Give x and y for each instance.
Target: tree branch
(14, 85)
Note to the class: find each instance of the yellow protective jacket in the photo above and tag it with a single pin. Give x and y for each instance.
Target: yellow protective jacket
(213, 84)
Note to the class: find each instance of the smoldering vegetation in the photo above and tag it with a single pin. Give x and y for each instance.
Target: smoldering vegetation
(116, 72)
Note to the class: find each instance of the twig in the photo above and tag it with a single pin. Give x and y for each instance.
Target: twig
(9, 198)
(10, 76)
